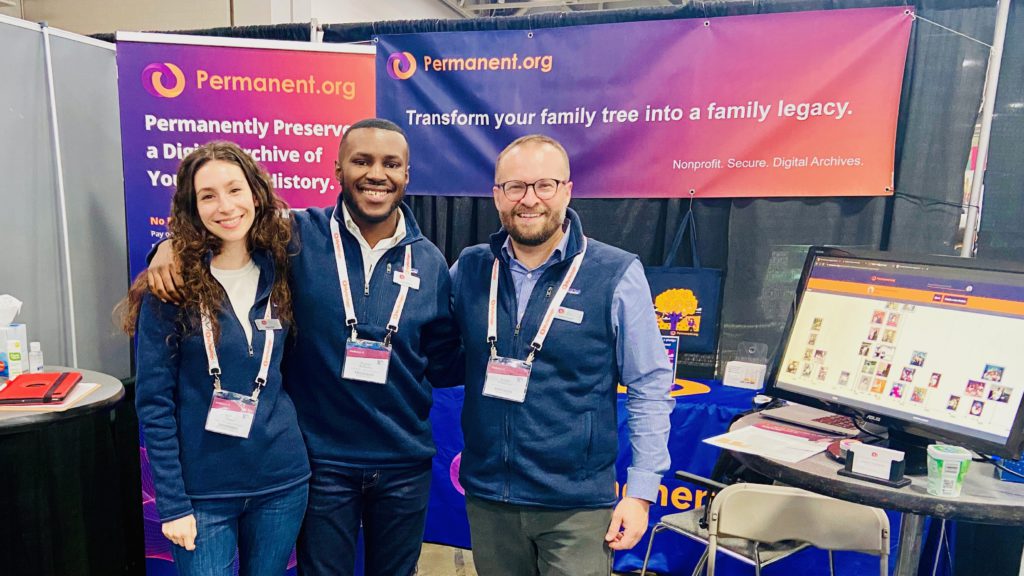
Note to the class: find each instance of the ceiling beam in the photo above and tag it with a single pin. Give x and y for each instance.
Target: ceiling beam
(457, 7)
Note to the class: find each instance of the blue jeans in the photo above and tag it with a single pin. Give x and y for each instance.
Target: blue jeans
(262, 528)
(391, 504)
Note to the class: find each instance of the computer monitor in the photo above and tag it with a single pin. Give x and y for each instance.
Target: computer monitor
(926, 346)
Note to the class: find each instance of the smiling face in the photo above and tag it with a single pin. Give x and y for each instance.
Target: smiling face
(224, 201)
(373, 169)
(531, 221)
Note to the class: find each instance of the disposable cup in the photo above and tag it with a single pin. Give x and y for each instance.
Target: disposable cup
(947, 467)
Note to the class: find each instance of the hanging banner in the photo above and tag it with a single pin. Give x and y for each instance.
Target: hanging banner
(287, 103)
(793, 104)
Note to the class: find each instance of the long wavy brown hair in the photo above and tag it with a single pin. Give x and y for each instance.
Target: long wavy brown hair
(192, 243)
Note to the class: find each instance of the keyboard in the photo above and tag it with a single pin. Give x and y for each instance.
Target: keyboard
(837, 420)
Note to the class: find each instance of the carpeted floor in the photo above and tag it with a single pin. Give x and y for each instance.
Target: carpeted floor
(437, 560)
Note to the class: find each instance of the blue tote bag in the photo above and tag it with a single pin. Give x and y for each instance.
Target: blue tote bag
(687, 300)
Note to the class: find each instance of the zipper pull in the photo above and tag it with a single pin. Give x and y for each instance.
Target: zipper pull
(250, 350)
(516, 332)
(548, 293)
(388, 269)
(366, 282)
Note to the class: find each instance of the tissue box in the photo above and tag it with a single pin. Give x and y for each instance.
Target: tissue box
(13, 332)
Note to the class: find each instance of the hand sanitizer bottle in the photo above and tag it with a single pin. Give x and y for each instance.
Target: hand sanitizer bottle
(15, 366)
(35, 358)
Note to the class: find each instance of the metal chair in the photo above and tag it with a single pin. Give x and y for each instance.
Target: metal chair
(762, 524)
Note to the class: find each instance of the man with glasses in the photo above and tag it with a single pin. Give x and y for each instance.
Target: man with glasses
(552, 321)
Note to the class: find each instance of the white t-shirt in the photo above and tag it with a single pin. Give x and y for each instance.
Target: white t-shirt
(241, 285)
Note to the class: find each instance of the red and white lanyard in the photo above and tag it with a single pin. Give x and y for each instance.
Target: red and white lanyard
(549, 316)
(346, 288)
(214, 362)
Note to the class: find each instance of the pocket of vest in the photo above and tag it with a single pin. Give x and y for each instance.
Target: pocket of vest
(588, 439)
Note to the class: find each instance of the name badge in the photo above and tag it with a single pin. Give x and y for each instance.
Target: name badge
(404, 279)
(569, 315)
(366, 361)
(507, 378)
(231, 414)
(264, 324)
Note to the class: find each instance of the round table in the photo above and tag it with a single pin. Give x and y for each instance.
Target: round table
(69, 507)
(984, 499)
(109, 393)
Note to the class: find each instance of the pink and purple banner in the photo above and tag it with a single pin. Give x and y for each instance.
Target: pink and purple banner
(793, 104)
(287, 103)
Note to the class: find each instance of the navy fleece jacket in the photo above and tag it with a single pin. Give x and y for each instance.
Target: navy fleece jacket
(173, 394)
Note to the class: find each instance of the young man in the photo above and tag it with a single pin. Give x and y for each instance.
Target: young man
(552, 322)
(374, 330)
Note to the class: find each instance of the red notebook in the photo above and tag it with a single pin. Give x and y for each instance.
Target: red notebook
(41, 388)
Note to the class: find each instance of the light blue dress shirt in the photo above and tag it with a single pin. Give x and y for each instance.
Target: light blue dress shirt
(644, 367)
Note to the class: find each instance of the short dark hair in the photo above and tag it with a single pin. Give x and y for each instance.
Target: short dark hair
(378, 123)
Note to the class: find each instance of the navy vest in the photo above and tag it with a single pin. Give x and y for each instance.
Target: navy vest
(558, 448)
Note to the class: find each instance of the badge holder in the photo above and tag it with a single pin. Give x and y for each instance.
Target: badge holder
(231, 413)
(507, 378)
(367, 360)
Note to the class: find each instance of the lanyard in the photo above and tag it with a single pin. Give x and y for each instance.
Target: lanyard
(346, 288)
(214, 362)
(549, 316)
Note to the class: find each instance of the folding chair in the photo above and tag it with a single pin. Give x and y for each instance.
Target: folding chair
(762, 524)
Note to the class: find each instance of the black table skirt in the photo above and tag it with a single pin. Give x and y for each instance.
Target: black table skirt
(70, 497)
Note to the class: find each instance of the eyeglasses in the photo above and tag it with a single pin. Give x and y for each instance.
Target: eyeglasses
(544, 188)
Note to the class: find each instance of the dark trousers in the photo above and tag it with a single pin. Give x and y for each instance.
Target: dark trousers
(512, 540)
(389, 503)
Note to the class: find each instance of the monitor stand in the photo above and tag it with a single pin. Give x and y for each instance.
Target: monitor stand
(914, 448)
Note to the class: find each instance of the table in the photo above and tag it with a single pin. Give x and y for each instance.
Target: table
(110, 393)
(68, 507)
(984, 498)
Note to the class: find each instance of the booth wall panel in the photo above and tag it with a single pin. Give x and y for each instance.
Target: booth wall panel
(30, 263)
(85, 79)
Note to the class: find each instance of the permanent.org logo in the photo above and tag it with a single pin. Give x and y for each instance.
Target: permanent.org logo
(401, 65)
(153, 80)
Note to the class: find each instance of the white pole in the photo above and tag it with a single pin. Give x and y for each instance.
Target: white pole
(61, 197)
(988, 106)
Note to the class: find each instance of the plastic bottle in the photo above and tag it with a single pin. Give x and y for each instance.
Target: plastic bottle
(35, 358)
(15, 367)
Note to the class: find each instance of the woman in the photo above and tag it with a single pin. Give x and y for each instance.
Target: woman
(228, 461)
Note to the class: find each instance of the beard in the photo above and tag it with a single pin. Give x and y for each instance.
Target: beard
(551, 223)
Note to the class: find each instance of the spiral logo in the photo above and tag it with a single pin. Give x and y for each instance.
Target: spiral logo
(453, 473)
(401, 65)
(153, 80)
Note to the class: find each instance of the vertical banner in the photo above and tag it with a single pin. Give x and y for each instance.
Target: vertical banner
(287, 103)
(792, 104)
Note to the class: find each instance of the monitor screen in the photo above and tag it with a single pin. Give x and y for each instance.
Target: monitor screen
(931, 346)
